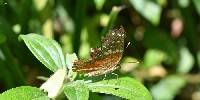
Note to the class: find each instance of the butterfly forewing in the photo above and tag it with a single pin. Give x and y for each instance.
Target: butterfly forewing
(104, 59)
(114, 41)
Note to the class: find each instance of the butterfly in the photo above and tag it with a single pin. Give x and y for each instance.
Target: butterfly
(105, 58)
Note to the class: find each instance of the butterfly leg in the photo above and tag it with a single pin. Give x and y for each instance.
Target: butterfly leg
(117, 76)
(105, 75)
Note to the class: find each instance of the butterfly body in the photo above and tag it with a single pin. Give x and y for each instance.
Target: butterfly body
(105, 58)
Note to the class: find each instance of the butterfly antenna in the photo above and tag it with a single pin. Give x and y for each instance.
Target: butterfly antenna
(128, 44)
(137, 62)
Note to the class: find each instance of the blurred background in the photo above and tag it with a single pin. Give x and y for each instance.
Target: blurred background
(164, 37)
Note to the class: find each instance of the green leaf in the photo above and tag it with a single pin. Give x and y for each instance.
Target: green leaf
(152, 39)
(167, 88)
(99, 4)
(186, 61)
(197, 5)
(40, 4)
(153, 57)
(183, 3)
(126, 87)
(24, 93)
(76, 90)
(150, 10)
(45, 50)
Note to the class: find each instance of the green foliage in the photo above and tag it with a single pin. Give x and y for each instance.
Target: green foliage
(197, 5)
(2, 38)
(77, 90)
(154, 57)
(153, 38)
(45, 50)
(186, 61)
(164, 36)
(24, 93)
(167, 88)
(149, 9)
(112, 18)
(125, 87)
(99, 4)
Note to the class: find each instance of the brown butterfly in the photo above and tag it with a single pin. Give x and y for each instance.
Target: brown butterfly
(105, 58)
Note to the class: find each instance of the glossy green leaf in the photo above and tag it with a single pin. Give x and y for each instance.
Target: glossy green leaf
(167, 88)
(76, 91)
(45, 50)
(186, 61)
(126, 87)
(150, 10)
(24, 93)
(197, 5)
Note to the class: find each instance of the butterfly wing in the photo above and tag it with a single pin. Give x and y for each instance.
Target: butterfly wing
(98, 67)
(106, 58)
(114, 41)
(95, 53)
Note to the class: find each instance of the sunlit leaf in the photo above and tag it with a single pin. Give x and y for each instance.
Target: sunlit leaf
(197, 5)
(47, 28)
(99, 4)
(67, 22)
(162, 2)
(40, 4)
(126, 87)
(184, 3)
(24, 93)
(167, 88)
(149, 9)
(45, 50)
(153, 57)
(76, 91)
(84, 47)
(186, 61)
